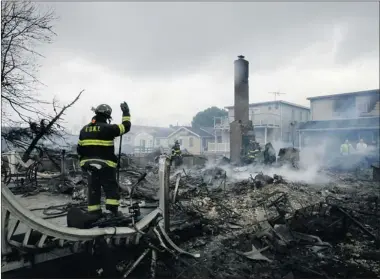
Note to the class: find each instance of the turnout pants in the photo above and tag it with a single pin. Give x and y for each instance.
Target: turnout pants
(106, 178)
(177, 160)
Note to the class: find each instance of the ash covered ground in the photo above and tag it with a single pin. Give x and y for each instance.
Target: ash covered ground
(257, 221)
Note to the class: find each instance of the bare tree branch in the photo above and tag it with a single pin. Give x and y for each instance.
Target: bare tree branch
(23, 27)
(48, 128)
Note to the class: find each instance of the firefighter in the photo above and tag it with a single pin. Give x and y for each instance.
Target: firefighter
(97, 156)
(269, 154)
(346, 148)
(361, 146)
(253, 151)
(176, 154)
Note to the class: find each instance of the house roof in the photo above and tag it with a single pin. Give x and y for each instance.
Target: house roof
(273, 103)
(345, 124)
(365, 92)
(163, 132)
(200, 132)
(209, 130)
(159, 132)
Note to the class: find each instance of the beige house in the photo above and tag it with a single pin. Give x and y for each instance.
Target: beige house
(144, 139)
(194, 140)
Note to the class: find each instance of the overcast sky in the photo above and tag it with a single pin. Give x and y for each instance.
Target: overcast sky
(171, 60)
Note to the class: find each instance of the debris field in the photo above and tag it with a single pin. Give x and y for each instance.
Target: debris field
(253, 222)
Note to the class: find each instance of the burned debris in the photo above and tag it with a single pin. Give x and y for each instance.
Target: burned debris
(277, 233)
(247, 221)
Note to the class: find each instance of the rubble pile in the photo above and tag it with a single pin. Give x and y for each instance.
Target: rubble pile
(267, 227)
(257, 224)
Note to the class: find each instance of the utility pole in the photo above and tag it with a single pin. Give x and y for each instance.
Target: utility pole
(276, 94)
(275, 99)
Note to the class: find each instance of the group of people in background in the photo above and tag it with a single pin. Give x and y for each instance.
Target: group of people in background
(361, 147)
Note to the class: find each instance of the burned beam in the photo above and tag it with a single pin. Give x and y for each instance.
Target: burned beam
(164, 175)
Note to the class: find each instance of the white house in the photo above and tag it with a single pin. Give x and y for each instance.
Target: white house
(272, 121)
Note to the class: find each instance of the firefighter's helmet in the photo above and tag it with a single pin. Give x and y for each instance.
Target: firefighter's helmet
(104, 109)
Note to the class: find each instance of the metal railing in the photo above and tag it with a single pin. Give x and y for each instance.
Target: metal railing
(222, 122)
(269, 123)
(17, 218)
(266, 119)
(258, 119)
(218, 147)
(143, 149)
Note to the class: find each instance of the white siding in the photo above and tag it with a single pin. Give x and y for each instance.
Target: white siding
(275, 114)
(143, 137)
(231, 114)
(323, 109)
(161, 142)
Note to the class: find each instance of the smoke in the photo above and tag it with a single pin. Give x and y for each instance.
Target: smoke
(277, 144)
(310, 165)
(309, 171)
(323, 153)
(310, 175)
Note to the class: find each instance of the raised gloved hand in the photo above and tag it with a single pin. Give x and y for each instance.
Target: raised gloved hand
(124, 107)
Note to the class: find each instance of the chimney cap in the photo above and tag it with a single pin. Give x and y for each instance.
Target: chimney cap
(241, 56)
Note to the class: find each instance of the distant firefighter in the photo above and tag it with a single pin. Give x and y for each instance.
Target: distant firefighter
(253, 151)
(269, 154)
(361, 146)
(176, 156)
(346, 148)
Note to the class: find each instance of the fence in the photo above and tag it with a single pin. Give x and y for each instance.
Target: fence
(142, 149)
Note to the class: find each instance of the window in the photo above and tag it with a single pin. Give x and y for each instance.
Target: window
(343, 105)
(128, 138)
(151, 143)
(293, 112)
(180, 141)
(252, 113)
(300, 115)
(219, 139)
(363, 107)
(191, 142)
(157, 141)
